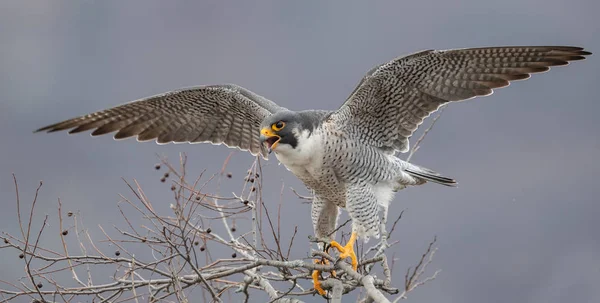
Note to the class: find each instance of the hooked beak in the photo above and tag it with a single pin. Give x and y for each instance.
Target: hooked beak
(270, 138)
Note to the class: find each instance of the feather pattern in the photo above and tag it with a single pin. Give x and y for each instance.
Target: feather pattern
(345, 157)
(398, 95)
(220, 114)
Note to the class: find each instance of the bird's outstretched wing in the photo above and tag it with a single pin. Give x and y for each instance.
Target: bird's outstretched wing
(393, 99)
(220, 114)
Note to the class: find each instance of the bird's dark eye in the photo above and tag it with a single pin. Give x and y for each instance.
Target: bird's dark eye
(278, 126)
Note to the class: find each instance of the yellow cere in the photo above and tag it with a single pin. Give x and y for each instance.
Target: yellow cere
(267, 132)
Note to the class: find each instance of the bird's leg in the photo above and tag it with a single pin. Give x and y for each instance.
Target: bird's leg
(315, 277)
(345, 252)
(316, 282)
(348, 250)
(316, 273)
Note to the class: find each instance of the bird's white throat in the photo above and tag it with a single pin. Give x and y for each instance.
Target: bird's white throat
(309, 147)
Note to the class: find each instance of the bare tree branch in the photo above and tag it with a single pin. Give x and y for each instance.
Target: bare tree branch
(181, 246)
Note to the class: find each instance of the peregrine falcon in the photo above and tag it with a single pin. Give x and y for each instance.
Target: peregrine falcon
(347, 157)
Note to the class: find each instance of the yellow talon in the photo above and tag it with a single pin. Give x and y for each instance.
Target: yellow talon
(317, 286)
(348, 250)
(315, 276)
(345, 252)
(316, 282)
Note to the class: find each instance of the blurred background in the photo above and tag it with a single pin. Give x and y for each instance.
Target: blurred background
(521, 227)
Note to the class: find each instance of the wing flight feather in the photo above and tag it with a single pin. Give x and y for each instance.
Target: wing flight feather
(393, 99)
(220, 114)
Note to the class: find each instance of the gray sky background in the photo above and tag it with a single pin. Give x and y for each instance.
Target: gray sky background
(521, 227)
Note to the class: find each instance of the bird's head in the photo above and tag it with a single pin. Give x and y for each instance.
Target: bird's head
(281, 129)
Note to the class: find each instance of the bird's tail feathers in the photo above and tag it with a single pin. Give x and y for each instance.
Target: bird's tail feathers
(429, 175)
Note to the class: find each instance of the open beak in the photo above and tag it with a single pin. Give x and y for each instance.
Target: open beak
(268, 137)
